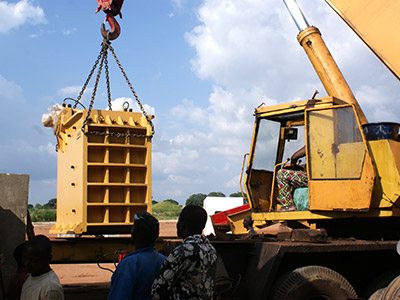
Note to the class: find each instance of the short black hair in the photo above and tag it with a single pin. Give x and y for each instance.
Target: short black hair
(194, 217)
(249, 220)
(19, 253)
(146, 228)
(41, 244)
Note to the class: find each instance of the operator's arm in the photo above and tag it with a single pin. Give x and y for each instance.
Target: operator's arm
(298, 154)
(168, 275)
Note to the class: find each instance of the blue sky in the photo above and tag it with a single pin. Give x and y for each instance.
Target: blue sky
(201, 66)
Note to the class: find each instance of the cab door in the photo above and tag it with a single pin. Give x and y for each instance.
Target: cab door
(340, 169)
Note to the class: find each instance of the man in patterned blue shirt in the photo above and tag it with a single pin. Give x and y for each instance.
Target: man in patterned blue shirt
(189, 271)
(135, 273)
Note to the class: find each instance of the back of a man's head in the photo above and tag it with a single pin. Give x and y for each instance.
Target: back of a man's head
(145, 229)
(248, 221)
(38, 255)
(41, 245)
(194, 218)
(19, 253)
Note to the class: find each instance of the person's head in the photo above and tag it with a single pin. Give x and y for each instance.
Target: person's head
(38, 255)
(145, 230)
(20, 254)
(191, 221)
(248, 222)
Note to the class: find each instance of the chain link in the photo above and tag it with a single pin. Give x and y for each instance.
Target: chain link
(102, 58)
(89, 77)
(133, 91)
(102, 55)
(107, 81)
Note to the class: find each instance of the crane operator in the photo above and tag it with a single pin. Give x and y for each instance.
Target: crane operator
(289, 179)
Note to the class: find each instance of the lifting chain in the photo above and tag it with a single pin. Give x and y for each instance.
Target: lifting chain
(102, 59)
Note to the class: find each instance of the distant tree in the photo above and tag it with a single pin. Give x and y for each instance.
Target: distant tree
(38, 206)
(154, 202)
(172, 201)
(30, 206)
(196, 199)
(43, 215)
(52, 204)
(239, 194)
(216, 194)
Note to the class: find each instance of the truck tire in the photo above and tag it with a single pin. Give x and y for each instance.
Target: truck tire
(392, 292)
(380, 282)
(313, 283)
(377, 295)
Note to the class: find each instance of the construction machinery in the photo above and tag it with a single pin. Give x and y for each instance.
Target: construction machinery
(340, 241)
(340, 245)
(104, 156)
(353, 167)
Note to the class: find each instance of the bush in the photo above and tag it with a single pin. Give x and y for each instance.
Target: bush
(166, 210)
(216, 194)
(172, 201)
(42, 215)
(196, 199)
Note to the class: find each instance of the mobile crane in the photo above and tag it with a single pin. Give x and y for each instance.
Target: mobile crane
(340, 247)
(341, 243)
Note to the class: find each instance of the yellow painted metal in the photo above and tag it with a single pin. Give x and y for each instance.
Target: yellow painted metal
(341, 172)
(236, 221)
(318, 215)
(386, 155)
(273, 182)
(377, 24)
(241, 175)
(327, 70)
(103, 180)
(296, 106)
(87, 249)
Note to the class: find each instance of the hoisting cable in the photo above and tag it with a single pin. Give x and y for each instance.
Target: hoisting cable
(102, 59)
(111, 8)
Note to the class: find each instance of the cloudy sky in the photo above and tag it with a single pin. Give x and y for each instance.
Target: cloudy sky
(201, 66)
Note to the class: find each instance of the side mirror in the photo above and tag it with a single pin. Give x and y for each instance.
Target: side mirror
(290, 133)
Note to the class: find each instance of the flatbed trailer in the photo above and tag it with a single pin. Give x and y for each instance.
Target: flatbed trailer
(253, 268)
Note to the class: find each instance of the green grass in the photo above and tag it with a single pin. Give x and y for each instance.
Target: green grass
(166, 210)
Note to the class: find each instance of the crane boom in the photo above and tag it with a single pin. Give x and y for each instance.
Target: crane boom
(377, 24)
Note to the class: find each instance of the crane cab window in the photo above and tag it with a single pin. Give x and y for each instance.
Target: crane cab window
(335, 146)
(266, 145)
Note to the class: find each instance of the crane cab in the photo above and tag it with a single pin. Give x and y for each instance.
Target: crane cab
(347, 174)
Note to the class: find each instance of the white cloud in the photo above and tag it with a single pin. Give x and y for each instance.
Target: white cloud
(118, 104)
(10, 92)
(248, 49)
(13, 15)
(69, 91)
(378, 104)
(49, 148)
(69, 31)
(178, 3)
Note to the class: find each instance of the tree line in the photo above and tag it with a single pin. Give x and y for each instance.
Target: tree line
(168, 209)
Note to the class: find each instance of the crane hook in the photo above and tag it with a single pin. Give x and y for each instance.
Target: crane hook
(111, 8)
(114, 26)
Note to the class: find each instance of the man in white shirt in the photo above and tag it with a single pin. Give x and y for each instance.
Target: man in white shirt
(42, 282)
